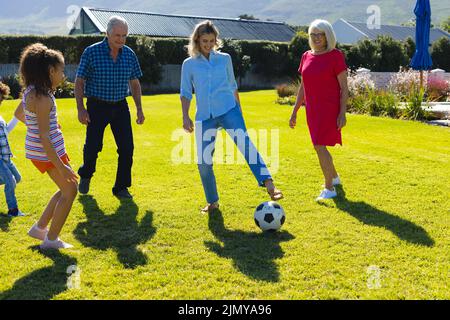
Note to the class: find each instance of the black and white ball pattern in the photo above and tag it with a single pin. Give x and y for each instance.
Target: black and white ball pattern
(269, 216)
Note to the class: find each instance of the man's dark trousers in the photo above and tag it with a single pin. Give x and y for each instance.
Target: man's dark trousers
(117, 115)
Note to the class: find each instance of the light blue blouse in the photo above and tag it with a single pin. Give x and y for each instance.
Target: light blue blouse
(213, 82)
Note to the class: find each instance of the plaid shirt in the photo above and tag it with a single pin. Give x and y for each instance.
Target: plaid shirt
(5, 150)
(106, 79)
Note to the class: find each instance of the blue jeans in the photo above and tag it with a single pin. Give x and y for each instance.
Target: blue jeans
(9, 176)
(205, 135)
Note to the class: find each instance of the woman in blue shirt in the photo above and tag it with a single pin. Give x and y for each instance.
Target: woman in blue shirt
(210, 73)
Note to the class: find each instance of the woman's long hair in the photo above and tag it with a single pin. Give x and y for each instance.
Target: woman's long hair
(205, 27)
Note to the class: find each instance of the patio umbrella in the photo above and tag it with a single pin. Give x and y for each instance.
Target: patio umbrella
(422, 60)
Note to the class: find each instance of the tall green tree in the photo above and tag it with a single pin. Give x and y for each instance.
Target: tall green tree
(445, 25)
(440, 51)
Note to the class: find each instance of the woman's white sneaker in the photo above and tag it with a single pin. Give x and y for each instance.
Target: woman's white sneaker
(37, 233)
(326, 194)
(55, 244)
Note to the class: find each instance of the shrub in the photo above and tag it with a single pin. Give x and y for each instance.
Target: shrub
(4, 53)
(437, 89)
(445, 25)
(151, 68)
(402, 82)
(263, 52)
(298, 45)
(410, 47)
(365, 54)
(440, 51)
(270, 52)
(65, 90)
(13, 83)
(241, 62)
(359, 83)
(287, 100)
(382, 54)
(243, 67)
(357, 104)
(389, 103)
(392, 54)
(170, 50)
(413, 109)
(374, 102)
(287, 90)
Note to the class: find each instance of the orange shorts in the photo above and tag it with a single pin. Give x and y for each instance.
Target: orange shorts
(44, 166)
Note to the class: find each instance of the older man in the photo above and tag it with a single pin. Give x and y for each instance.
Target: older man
(107, 71)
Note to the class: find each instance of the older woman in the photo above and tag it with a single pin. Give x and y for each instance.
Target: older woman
(210, 73)
(324, 91)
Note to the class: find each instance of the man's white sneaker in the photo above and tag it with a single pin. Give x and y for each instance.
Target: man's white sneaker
(326, 194)
(37, 233)
(55, 244)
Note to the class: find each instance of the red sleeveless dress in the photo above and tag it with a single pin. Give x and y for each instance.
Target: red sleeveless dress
(322, 95)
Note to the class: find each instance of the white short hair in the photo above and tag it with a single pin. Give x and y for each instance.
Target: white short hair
(324, 26)
(114, 21)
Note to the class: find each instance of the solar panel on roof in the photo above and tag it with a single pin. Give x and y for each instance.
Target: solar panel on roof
(161, 25)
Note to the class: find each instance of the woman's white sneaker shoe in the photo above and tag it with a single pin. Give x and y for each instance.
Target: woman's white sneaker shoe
(326, 194)
(37, 233)
(55, 244)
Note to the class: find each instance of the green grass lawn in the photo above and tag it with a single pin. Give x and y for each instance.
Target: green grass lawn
(392, 214)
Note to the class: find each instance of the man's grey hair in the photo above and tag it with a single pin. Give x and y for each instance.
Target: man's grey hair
(114, 21)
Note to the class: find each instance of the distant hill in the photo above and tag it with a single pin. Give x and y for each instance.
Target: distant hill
(50, 17)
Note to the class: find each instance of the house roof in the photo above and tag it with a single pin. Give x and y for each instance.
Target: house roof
(165, 25)
(396, 32)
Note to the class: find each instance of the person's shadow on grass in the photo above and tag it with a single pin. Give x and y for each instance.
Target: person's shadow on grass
(367, 214)
(45, 283)
(5, 220)
(253, 253)
(119, 231)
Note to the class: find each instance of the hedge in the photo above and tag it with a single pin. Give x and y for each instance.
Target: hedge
(155, 52)
(271, 59)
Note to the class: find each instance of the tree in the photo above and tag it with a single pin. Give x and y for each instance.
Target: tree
(270, 53)
(298, 45)
(151, 68)
(241, 62)
(365, 54)
(412, 23)
(392, 54)
(440, 51)
(409, 23)
(299, 28)
(410, 47)
(247, 17)
(445, 25)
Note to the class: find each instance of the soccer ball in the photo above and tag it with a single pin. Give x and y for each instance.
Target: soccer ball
(269, 216)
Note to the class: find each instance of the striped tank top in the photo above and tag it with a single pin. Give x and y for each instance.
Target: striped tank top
(34, 149)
